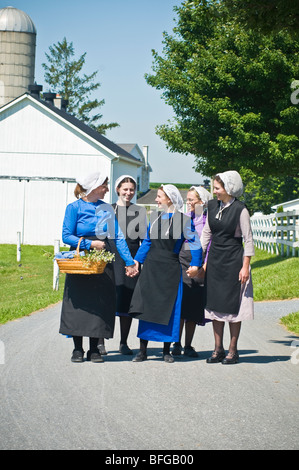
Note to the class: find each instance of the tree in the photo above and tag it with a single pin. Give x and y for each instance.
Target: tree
(267, 16)
(230, 89)
(63, 74)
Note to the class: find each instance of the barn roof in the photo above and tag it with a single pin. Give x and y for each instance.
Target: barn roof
(100, 138)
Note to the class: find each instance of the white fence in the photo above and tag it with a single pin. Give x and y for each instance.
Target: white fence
(277, 233)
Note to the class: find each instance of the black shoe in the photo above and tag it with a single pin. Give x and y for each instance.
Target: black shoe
(231, 358)
(216, 357)
(190, 352)
(77, 355)
(141, 356)
(94, 356)
(168, 358)
(124, 349)
(177, 348)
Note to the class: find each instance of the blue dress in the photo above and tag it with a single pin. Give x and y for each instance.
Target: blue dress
(88, 307)
(164, 330)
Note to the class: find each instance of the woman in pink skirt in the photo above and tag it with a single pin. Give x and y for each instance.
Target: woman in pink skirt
(228, 284)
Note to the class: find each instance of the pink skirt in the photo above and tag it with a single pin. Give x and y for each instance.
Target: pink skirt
(246, 311)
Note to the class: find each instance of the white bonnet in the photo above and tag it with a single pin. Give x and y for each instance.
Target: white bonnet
(204, 195)
(232, 183)
(91, 181)
(174, 195)
(122, 177)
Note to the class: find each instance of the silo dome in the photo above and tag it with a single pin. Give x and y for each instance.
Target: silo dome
(12, 19)
(17, 53)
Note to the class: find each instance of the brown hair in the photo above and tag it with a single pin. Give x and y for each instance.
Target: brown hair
(79, 191)
(127, 179)
(219, 180)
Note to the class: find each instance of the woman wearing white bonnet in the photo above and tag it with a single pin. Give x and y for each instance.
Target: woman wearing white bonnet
(156, 300)
(192, 310)
(228, 284)
(133, 223)
(88, 308)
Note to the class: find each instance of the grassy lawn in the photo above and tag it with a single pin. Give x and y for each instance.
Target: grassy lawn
(27, 286)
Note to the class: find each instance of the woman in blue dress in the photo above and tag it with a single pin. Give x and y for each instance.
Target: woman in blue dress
(88, 307)
(157, 296)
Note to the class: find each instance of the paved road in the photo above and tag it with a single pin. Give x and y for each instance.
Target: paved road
(47, 402)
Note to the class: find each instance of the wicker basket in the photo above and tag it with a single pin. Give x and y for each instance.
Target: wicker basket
(75, 265)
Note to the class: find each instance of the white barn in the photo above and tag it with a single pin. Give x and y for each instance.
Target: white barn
(42, 151)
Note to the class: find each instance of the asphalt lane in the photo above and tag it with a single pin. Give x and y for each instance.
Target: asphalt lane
(49, 403)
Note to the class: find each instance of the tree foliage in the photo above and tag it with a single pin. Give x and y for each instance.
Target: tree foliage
(266, 16)
(64, 75)
(229, 88)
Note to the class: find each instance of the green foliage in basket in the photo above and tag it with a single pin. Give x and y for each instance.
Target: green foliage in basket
(94, 256)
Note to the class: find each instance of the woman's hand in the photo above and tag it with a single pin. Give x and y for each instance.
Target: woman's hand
(132, 271)
(97, 244)
(244, 273)
(192, 271)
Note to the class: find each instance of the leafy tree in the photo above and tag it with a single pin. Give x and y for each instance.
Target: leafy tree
(267, 16)
(263, 192)
(230, 89)
(63, 74)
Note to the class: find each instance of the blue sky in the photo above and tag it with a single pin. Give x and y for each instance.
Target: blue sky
(118, 36)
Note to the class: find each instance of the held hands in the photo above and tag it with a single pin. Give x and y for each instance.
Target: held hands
(132, 271)
(192, 271)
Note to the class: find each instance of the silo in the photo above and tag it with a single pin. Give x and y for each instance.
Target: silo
(17, 53)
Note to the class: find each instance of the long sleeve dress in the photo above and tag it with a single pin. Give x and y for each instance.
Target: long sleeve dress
(158, 293)
(89, 301)
(227, 228)
(133, 224)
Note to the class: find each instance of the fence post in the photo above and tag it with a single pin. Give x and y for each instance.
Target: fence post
(18, 247)
(55, 266)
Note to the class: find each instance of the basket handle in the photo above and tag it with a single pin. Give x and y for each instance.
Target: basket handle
(78, 246)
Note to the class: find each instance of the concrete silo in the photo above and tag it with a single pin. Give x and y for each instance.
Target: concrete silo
(17, 53)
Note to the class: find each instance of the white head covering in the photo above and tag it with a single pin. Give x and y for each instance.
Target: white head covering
(174, 195)
(204, 195)
(91, 181)
(232, 183)
(122, 177)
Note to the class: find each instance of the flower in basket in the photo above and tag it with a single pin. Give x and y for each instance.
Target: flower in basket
(97, 256)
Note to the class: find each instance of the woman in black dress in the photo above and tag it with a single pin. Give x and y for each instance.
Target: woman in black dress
(228, 280)
(132, 222)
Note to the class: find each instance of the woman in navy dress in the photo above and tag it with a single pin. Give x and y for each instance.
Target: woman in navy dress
(88, 307)
(132, 222)
(157, 296)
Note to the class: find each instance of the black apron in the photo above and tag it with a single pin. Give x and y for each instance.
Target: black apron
(193, 291)
(156, 289)
(88, 306)
(225, 259)
(126, 216)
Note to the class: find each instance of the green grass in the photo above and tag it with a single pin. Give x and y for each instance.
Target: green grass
(274, 277)
(291, 322)
(27, 287)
